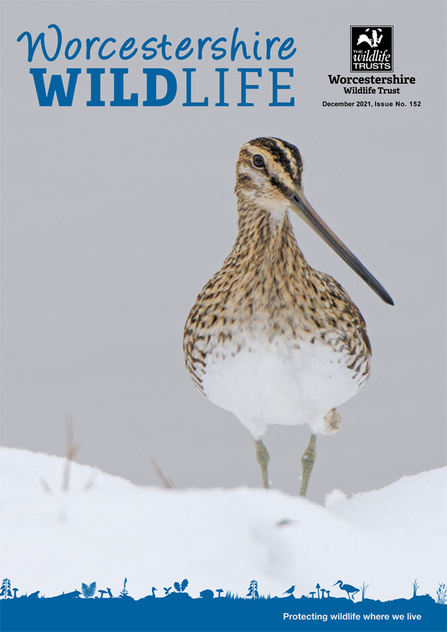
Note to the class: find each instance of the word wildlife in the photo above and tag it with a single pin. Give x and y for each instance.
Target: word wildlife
(159, 85)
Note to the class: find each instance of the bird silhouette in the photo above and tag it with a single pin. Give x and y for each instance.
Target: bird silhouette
(350, 590)
(289, 591)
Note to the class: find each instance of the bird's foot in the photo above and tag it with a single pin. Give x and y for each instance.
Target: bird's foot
(263, 458)
(307, 462)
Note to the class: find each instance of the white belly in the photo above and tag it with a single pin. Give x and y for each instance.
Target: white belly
(273, 384)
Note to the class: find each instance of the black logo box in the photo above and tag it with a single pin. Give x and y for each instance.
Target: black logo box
(386, 35)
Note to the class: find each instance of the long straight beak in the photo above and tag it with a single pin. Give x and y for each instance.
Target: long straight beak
(303, 208)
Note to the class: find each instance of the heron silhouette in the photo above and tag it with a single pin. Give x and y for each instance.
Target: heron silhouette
(350, 590)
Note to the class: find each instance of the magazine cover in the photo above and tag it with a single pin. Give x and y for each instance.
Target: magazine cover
(223, 402)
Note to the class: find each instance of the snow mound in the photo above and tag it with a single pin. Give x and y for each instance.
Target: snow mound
(105, 528)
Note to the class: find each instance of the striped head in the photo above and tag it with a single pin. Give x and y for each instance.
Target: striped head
(268, 172)
(269, 179)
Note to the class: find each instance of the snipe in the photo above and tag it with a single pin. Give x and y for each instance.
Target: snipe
(269, 338)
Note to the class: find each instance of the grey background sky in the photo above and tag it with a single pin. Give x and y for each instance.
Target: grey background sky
(114, 218)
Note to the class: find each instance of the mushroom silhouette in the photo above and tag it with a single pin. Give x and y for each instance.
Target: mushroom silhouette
(219, 591)
(350, 590)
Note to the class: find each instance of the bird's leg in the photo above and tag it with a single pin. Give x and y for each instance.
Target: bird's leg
(263, 458)
(307, 462)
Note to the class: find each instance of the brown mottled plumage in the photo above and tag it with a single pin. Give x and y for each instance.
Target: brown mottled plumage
(269, 337)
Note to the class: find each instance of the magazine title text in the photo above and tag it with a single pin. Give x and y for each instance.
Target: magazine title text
(158, 85)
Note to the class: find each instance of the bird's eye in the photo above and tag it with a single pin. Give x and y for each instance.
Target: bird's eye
(258, 160)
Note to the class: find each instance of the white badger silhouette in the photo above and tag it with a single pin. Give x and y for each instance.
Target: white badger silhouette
(373, 41)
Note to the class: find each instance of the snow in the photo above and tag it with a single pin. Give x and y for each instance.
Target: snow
(105, 528)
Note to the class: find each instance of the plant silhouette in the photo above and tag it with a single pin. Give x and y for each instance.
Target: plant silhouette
(124, 593)
(415, 587)
(253, 589)
(88, 590)
(181, 587)
(364, 587)
(441, 594)
(5, 590)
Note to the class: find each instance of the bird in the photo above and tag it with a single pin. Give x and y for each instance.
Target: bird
(350, 590)
(269, 338)
(289, 591)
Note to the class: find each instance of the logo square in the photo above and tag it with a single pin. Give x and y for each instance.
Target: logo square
(372, 49)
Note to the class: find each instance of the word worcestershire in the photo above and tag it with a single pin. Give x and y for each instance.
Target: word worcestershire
(159, 85)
